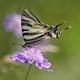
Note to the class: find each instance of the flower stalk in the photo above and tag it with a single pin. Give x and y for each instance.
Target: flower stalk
(28, 72)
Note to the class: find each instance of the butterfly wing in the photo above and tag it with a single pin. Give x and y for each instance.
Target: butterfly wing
(32, 28)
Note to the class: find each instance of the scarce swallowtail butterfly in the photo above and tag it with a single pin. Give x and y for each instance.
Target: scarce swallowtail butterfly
(34, 31)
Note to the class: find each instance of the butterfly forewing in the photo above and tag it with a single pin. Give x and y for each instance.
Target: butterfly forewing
(31, 28)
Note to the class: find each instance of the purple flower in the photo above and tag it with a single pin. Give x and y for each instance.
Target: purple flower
(12, 23)
(32, 55)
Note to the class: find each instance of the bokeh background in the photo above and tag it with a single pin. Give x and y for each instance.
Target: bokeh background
(66, 62)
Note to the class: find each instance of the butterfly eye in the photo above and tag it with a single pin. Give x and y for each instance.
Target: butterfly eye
(57, 34)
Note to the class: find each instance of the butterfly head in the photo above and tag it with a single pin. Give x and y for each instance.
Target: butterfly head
(55, 32)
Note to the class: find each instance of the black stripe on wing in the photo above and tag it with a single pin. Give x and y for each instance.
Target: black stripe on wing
(30, 33)
(34, 16)
(23, 20)
(28, 14)
(34, 40)
(38, 37)
(25, 13)
(25, 30)
(26, 24)
(29, 44)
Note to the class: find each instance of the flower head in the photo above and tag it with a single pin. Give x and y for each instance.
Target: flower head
(32, 55)
(12, 23)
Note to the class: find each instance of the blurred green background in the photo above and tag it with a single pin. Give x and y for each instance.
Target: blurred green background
(65, 63)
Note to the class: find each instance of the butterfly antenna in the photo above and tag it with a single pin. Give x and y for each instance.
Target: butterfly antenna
(65, 29)
(56, 27)
(60, 24)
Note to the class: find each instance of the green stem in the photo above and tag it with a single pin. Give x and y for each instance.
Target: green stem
(28, 72)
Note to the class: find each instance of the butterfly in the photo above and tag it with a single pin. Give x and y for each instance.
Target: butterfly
(34, 31)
